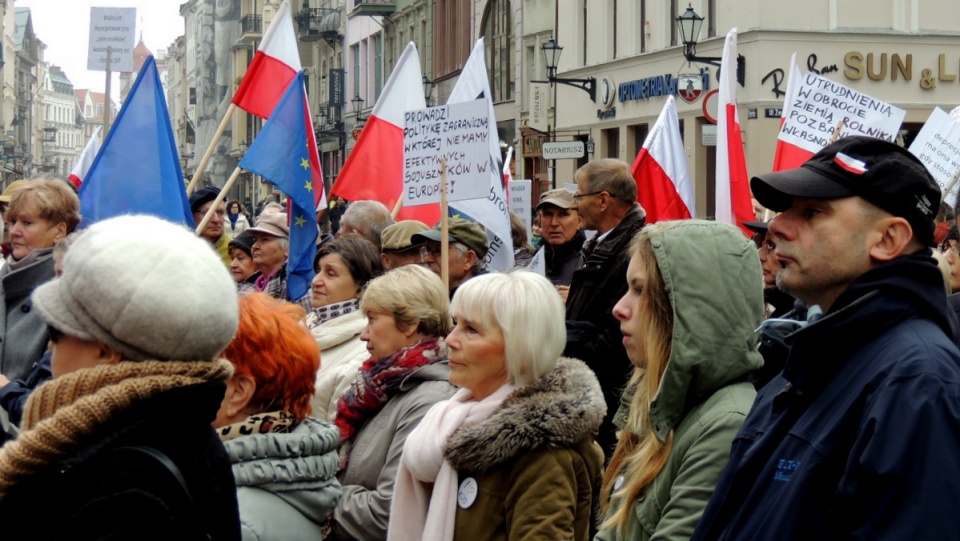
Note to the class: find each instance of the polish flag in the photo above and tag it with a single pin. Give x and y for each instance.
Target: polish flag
(664, 188)
(790, 156)
(82, 166)
(274, 65)
(733, 205)
(374, 168)
(507, 175)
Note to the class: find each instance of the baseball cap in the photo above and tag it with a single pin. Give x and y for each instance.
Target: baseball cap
(756, 227)
(459, 230)
(881, 172)
(272, 223)
(560, 197)
(396, 236)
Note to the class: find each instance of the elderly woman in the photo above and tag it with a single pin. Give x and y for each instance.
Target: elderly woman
(512, 454)
(344, 266)
(43, 212)
(408, 312)
(688, 328)
(242, 267)
(119, 444)
(284, 462)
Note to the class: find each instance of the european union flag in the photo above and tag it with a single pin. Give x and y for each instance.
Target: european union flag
(282, 154)
(138, 170)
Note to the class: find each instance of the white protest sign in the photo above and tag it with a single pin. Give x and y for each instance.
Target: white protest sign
(114, 28)
(820, 104)
(520, 196)
(938, 147)
(459, 132)
(538, 263)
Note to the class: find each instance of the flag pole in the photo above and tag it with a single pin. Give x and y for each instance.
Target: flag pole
(397, 207)
(836, 132)
(206, 155)
(949, 186)
(216, 202)
(444, 227)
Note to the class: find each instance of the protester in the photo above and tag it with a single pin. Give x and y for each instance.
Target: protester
(237, 219)
(119, 444)
(949, 248)
(408, 314)
(5, 198)
(606, 202)
(284, 461)
(200, 203)
(242, 267)
(858, 436)
(777, 302)
(691, 345)
(42, 212)
(396, 248)
(344, 266)
(563, 237)
(337, 207)
(367, 219)
(468, 246)
(512, 453)
(271, 240)
(522, 250)
(536, 232)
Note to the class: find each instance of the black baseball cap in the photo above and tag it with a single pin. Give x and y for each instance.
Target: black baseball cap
(756, 227)
(881, 172)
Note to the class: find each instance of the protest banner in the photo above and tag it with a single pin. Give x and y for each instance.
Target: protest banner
(820, 105)
(111, 39)
(458, 133)
(938, 147)
(520, 196)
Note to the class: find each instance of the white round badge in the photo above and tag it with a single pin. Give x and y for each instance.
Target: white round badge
(618, 483)
(467, 493)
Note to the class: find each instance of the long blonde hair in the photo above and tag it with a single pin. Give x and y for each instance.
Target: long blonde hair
(640, 454)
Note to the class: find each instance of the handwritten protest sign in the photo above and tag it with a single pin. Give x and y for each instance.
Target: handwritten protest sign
(938, 147)
(114, 28)
(458, 132)
(520, 195)
(820, 105)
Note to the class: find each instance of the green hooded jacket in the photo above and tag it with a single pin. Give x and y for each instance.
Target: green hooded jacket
(713, 278)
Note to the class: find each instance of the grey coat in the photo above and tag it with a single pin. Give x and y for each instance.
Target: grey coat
(23, 335)
(286, 483)
(364, 510)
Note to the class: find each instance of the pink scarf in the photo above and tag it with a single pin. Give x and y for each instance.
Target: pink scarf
(415, 513)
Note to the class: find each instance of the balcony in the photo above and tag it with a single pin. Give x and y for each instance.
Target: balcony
(319, 23)
(383, 8)
(251, 27)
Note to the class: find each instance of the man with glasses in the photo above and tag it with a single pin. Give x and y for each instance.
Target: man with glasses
(606, 199)
(468, 246)
(396, 248)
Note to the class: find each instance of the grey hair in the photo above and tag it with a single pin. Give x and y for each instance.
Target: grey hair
(368, 218)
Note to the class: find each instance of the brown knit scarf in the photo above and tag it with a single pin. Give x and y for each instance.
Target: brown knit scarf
(61, 411)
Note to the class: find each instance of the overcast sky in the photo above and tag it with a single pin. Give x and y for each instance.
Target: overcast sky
(64, 26)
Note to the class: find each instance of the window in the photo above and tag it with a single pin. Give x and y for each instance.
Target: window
(355, 52)
(378, 64)
(499, 53)
(451, 36)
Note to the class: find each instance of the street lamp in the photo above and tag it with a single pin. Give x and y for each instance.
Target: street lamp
(689, 25)
(358, 107)
(427, 90)
(551, 55)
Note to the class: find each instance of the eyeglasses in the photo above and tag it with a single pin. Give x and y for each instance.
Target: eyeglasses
(947, 247)
(578, 196)
(435, 249)
(54, 334)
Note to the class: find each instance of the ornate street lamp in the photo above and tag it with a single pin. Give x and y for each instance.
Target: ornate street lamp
(689, 25)
(551, 55)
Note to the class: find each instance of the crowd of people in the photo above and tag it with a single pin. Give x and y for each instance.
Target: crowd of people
(673, 380)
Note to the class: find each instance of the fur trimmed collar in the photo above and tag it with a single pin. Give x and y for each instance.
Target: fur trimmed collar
(559, 410)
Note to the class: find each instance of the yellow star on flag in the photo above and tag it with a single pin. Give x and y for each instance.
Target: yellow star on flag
(309, 186)
(305, 163)
(300, 221)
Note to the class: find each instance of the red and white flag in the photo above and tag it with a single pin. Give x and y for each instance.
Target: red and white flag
(274, 65)
(507, 175)
(733, 205)
(664, 188)
(790, 156)
(374, 168)
(82, 166)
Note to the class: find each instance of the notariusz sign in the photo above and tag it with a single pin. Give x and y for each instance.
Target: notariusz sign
(563, 149)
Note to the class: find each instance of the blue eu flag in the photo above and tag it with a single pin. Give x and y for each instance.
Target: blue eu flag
(281, 154)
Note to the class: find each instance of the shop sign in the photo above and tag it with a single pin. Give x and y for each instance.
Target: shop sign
(665, 85)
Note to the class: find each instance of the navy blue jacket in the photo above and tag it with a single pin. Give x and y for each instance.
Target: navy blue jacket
(859, 436)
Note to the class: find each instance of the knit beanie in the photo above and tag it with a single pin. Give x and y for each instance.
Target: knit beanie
(149, 289)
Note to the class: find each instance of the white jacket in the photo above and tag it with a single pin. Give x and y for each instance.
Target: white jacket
(341, 354)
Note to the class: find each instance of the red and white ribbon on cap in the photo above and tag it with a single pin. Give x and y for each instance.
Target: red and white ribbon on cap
(850, 164)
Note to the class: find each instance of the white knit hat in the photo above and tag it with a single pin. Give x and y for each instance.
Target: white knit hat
(149, 289)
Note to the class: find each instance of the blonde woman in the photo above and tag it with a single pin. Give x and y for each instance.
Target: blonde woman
(688, 327)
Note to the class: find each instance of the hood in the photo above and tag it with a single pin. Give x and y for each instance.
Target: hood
(561, 409)
(299, 467)
(336, 331)
(713, 278)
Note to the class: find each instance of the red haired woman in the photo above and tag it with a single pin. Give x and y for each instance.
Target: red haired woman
(283, 460)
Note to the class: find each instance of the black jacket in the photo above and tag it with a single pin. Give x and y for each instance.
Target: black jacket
(105, 490)
(858, 437)
(563, 260)
(593, 333)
